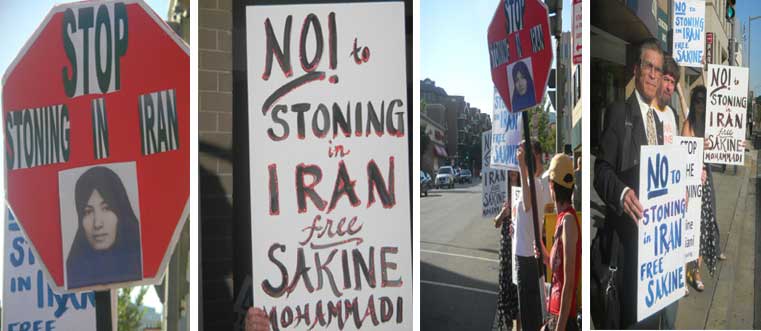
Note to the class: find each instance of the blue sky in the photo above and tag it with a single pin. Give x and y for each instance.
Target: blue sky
(746, 9)
(453, 50)
(18, 20)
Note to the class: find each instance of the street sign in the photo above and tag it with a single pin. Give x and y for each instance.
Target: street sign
(96, 111)
(577, 31)
(520, 52)
(709, 47)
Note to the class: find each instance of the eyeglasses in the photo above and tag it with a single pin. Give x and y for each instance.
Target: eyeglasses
(649, 66)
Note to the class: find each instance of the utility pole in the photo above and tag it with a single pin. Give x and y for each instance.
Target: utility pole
(556, 27)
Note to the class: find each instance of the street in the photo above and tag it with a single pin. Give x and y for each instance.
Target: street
(459, 260)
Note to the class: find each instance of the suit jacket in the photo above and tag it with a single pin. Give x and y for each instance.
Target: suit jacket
(617, 167)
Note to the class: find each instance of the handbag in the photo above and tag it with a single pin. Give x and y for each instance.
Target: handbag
(606, 279)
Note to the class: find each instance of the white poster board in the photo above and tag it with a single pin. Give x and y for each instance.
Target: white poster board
(660, 268)
(330, 211)
(494, 181)
(517, 196)
(693, 171)
(29, 302)
(726, 107)
(689, 31)
(506, 135)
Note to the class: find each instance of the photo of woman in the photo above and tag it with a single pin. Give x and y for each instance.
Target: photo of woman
(106, 247)
(523, 86)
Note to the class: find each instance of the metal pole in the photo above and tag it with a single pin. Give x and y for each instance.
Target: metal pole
(534, 208)
(103, 311)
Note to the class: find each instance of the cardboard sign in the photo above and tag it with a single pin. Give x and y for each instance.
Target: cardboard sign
(29, 301)
(96, 112)
(660, 268)
(693, 171)
(506, 136)
(520, 52)
(726, 107)
(494, 189)
(330, 212)
(689, 27)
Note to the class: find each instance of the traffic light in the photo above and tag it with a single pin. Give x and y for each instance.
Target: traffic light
(555, 8)
(730, 12)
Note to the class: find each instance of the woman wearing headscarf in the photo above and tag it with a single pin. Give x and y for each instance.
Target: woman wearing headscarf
(106, 247)
(523, 87)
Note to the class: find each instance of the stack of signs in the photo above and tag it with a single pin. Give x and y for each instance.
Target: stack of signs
(506, 135)
(689, 27)
(29, 302)
(661, 265)
(726, 107)
(330, 203)
(494, 190)
(693, 172)
(96, 112)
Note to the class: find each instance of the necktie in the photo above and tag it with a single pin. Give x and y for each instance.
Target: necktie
(652, 135)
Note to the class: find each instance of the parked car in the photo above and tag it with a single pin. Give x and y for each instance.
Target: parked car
(466, 176)
(426, 183)
(445, 177)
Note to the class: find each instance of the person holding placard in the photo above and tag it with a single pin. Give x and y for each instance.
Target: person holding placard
(694, 126)
(527, 269)
(628, 126)
(565, 255)
(507, 301)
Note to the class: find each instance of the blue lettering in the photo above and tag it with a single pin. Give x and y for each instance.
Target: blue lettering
(657, 176)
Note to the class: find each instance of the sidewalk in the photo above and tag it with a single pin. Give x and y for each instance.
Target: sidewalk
(728, 299)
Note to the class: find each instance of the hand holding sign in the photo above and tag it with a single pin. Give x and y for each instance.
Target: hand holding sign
(632, 207)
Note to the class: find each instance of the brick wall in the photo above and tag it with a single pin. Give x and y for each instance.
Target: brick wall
(215, 156)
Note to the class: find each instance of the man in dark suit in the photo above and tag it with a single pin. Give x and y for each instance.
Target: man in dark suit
(627, 127)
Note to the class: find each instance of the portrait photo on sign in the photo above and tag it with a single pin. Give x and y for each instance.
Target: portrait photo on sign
(100, 225)
(521, 85)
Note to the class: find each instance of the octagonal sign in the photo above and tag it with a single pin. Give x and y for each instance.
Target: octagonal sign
(520, 52)
(96, 114)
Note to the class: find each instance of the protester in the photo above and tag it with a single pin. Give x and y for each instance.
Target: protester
(256, 320)
(628, 126)
(524, 248)
(507, 301)
(668, 124)
(694, 126)
(565, 257)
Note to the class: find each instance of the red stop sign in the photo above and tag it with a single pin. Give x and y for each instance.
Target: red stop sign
(520, 52)
(96, 115)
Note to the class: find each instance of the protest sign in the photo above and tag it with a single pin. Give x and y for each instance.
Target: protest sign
(693, 171)
(98, 100)
(29, 301)
(494, 190)
(726, 107)
(329, 143)
(506, 135)
(689, 27)
(516, 193)
(660, 268)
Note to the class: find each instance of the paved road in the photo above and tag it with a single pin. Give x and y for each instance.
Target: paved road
(459, 261)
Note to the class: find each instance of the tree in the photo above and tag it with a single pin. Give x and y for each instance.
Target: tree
(541, 123)
(130, 313)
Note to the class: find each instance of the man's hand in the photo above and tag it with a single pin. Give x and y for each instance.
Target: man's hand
(520, 154)
(632, 207)
(256, 320)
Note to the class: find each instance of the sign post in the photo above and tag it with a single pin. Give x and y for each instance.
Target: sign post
(96, 113)
(520, 53)
(330, 203)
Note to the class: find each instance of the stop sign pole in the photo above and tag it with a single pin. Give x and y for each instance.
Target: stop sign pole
(520, 55)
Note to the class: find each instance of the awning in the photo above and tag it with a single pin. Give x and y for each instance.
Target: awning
(440, 151)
